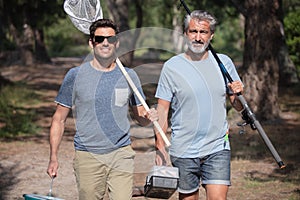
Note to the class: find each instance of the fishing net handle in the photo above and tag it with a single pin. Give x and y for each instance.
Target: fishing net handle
(138, 94)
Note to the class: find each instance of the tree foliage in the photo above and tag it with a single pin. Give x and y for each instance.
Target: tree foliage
(292, 32)
(63, 39)
(23, 22)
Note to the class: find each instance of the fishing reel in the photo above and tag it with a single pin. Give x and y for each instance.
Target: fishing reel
(246, 116)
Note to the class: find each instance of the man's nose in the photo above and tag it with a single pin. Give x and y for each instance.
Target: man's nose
(105, 41)
(198, 36)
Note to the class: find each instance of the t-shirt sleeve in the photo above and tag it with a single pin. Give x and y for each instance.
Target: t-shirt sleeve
(64, 96)
(164, 87)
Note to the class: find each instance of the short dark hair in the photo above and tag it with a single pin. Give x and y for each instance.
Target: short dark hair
(102, 23)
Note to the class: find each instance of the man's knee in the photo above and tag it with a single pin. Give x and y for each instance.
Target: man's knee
(190, 196)
(216, 192)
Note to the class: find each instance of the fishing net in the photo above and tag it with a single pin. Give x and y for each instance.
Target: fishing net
(83, 12)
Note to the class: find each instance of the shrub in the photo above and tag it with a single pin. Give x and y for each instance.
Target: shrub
(16, 117)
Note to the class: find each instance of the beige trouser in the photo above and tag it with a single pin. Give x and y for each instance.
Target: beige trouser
(97, 172)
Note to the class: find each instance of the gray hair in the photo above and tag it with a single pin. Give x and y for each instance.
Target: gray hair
(201, 15)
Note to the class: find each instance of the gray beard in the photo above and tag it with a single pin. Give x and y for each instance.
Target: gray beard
(198, 50)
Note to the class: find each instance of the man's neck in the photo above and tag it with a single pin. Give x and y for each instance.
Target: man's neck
(103, 65)
(196, 56)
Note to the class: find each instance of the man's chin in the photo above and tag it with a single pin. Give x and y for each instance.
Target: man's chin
(197, 50)
(106, 57)
(106, 54)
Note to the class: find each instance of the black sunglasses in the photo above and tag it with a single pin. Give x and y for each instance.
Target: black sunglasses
(110, 39)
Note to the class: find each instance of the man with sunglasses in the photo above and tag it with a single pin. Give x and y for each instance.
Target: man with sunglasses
(193, 85)
(99, 96)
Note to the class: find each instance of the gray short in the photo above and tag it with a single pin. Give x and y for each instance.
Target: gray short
(211, 169)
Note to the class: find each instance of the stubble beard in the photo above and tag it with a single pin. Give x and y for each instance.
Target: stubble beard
(105, 59)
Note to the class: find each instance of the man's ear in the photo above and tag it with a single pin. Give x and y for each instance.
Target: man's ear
(212, 36)
(118, 44)
(91, 43)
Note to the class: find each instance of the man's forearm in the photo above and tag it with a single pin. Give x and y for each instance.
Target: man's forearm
(56, 133)
(159, 142)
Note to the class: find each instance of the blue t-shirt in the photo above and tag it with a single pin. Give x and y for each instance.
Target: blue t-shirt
(197, 92)
(100, 106)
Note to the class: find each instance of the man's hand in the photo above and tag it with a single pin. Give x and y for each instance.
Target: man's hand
(52, 168)
(236, 87)
(152, 115)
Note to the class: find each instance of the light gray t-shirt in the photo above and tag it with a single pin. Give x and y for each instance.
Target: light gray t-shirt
(100, 106)
(197, 92)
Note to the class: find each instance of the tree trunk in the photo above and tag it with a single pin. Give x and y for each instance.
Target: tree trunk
(40, 48)
(261, 68)
(178, 38)
(27, 46)
(287, 69)
(25, 43)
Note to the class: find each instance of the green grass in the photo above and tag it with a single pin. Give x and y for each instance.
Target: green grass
(16, 116)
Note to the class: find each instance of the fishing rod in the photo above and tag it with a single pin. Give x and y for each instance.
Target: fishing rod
(247, 115)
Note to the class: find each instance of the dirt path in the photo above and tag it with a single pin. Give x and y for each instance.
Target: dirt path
(255, 175)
